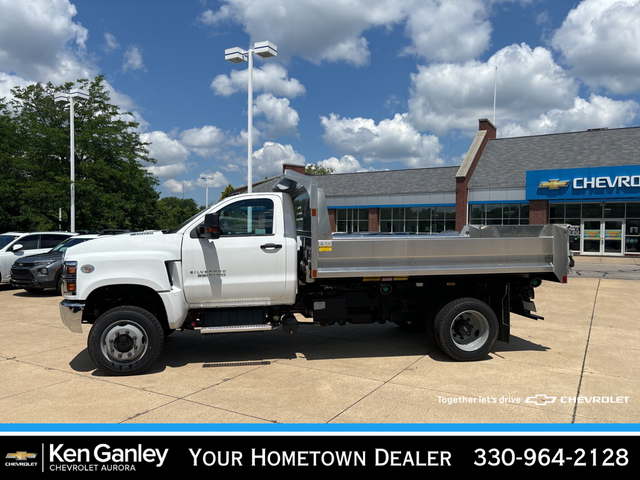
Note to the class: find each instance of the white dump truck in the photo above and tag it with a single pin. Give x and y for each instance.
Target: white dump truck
(260, 261)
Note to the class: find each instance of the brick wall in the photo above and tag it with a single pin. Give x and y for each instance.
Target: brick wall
(462, 182)
(538, 212)
(374, 219)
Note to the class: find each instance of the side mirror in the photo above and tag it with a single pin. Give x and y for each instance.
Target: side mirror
(212, 225)
(16, 247)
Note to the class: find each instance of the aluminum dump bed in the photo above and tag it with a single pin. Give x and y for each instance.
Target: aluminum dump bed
(477, 250)
(527, 249)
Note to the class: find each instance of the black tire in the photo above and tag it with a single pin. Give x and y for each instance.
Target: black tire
(125, 340)
(466, 329)
(34, 289)
(59, 285)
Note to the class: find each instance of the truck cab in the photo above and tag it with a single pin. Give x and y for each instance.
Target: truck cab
(251, 260)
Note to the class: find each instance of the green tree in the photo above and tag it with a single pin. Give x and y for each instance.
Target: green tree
(11, 170)
(113, 189)
(173, 211)
(313, 169)
(228, 191)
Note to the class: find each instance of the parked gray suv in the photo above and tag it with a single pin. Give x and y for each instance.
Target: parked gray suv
(37, 272)
(17, 245)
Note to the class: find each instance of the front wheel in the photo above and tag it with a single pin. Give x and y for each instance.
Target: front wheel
(466, 329)
(125, 340)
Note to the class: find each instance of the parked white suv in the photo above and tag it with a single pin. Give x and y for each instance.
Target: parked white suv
(14, 245)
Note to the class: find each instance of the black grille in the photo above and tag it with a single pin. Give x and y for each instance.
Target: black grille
(20, 272)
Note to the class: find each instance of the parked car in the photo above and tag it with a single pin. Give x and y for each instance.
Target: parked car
(37, 272)
(16, 245)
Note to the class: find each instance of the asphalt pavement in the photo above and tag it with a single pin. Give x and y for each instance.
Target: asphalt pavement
(578, 366)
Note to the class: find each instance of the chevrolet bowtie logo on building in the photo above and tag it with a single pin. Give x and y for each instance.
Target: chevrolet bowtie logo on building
(21, 456)
(540, 399)
(554, 184)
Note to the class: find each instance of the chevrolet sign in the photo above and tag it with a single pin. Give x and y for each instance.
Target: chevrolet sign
(607, 182)
(585, 184)
(554, 184)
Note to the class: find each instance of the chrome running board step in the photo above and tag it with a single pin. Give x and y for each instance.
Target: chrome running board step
(237, 328)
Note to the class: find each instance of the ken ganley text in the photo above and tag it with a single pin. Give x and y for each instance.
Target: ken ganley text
(104, 457)
(320, 458)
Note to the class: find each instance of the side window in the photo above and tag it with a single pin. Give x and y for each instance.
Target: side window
(50, 240)
(29, 242)
(247, 217)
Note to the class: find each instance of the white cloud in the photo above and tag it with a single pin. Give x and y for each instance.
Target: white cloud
(8, 82)
(448, 97)
(268, 161)
(600, 40)
(41, 42)
(271, 78)
(391, 140)
(215, 180)
(204, 141)
(344, 164)
(281, 119)
(335, 30)
(448, 31)
(133, 59)
(329, 30)
(597, 112)
(171, 156)
(180, 187)
(110, 43)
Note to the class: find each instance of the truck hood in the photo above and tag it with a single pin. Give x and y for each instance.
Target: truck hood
(155, 244)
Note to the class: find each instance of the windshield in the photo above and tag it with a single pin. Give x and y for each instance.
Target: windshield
(69, 242)
(6, 240)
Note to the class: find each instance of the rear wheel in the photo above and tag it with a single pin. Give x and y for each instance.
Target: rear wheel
(125, 340)
(466, 329)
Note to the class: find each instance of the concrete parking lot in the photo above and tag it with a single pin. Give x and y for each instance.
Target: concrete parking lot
(579, 365)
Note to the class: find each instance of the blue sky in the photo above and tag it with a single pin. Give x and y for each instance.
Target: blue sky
(357, 85)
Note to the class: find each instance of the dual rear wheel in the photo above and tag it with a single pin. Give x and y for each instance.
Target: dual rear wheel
(465, 329)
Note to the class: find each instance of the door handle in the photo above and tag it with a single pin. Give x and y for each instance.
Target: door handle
(271, 246)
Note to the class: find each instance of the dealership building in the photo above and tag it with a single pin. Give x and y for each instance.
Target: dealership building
(589, 180)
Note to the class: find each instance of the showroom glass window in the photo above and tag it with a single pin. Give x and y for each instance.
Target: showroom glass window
(426, 220)
(499, 214)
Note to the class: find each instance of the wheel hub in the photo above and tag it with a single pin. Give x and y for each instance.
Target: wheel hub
(124, 343)
(463, 327)
(470, 330)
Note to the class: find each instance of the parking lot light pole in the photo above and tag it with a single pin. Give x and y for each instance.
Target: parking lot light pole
(206, 198)
(238, 55)
(71, 97)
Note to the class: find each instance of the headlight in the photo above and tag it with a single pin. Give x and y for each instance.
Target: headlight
(69, 270)
(44, 263)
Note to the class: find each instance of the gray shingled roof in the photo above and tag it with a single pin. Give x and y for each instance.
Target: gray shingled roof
(505, 161)
(389, 182)
(383, 182)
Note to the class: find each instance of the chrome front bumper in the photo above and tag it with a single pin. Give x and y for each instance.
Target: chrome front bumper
(71, 313)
